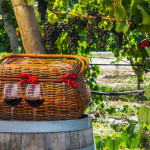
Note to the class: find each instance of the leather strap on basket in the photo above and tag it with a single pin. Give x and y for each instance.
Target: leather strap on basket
(69, 81)
(28, 78)
(80, 58)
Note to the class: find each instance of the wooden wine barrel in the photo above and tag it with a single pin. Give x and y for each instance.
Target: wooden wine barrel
(47, 135)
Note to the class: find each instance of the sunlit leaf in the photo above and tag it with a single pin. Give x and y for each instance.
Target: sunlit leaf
(31, 2)
(97, 141)
(122, 27)
(85, 44)
(109, 26)
(120, 13)
(145, 17)
(113, 144)
(52, 18)
(143, 114)
(124, 137)
(147, 90)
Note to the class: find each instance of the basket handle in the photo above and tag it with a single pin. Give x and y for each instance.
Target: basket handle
(86, 63)
(80, 58)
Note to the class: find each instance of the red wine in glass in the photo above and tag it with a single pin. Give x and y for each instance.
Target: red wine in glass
(12, 102)
(34, 96)
(12, 95)
(35, 103)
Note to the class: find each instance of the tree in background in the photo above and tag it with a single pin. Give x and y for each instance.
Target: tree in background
(8, 39)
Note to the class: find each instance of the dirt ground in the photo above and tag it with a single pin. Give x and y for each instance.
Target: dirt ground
(108, 77)
(108, 73)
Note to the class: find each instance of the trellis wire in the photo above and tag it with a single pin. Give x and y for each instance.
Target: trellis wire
(118, 93)
(118, 64)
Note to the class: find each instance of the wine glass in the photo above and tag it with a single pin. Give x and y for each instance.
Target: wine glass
(12, 95)
(34, 96)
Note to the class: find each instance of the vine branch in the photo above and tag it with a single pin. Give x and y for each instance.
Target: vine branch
(113, 5)
(57, 14)
(121, 3)
(83, 15)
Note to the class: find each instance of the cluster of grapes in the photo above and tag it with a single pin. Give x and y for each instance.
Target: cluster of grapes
(80, 22)
(51, 34)
(90, 33)
(133, 26)
(101, 37)
(92, 12)
(93, 28)
(119, 39)
(117, 36)
(73, 36)
(42, 7)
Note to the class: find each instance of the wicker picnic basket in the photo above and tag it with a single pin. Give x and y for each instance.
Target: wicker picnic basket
(62, 101)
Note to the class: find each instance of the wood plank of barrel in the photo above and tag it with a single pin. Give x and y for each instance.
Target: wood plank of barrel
(47, 135)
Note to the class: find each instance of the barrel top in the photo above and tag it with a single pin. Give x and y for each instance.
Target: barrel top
(45, 126)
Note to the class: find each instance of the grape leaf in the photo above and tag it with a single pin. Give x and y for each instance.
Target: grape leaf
(139, 1)
(147, 91)
(97, 141)
(144, 28)
(142, 9)
(131, 127)
(136, 141)
(145, 17)
(52, 18)
(148, 1)
(143, 114)
(109, 143)
(113, 144)
(73, 13)
(31, 2)
(109, 26)
(102, 143)
(120, 13)
(107, 3)
(65, 3)
(148, 127)
(136, 18)
(124, 137)
(122, 27)
(84, 44)
(132, 143)
(137, 129)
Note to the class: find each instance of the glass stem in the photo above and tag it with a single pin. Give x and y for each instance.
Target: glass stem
(12, 112)
(34, 113)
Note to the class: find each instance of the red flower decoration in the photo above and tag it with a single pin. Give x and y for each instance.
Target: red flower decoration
(144, 43)
(28, 78)
(69, 81)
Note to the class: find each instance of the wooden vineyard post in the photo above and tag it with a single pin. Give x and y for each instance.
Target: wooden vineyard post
(29, 27)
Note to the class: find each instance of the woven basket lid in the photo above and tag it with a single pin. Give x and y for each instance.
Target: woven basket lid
(40, 67)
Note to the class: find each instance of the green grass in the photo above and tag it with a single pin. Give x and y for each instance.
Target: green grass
(102, 112)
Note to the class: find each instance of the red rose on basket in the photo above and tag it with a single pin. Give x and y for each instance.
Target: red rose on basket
(28, 78)
(144, 43)
(69, 81)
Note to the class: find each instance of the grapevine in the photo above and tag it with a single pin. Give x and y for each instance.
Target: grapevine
(117, 36)
(42, 7)
(73, 37)
(102, 37)
(118, 39)
(51, 33)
